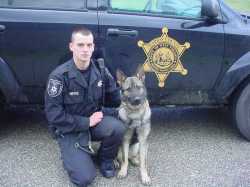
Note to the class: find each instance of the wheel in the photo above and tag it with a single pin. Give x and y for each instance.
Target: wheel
(241, 111)
(2, 103)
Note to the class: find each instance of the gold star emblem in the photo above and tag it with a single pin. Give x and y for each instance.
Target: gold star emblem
(163, 56)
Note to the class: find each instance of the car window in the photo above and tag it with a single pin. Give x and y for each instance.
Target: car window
(46, 4)
(184, 8)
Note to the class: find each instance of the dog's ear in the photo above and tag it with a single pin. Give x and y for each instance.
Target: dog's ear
(120, 77)
(140, 73)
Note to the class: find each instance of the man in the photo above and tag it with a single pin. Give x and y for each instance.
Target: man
(73, 101)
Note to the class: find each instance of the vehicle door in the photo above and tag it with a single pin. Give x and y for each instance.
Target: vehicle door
(197, 56)
(37, 35)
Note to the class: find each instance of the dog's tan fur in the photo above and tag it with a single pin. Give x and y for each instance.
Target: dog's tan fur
(137, 118)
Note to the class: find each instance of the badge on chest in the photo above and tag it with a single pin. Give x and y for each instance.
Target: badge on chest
(99, 83)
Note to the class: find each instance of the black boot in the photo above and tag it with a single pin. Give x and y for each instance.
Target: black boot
(107, 168)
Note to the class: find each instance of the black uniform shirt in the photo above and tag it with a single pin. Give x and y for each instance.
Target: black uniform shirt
(70, 100)
(86, 73)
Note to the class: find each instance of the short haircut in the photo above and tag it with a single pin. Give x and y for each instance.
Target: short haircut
(82, 30)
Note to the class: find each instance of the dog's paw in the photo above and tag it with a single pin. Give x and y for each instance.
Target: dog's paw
(146, 180)
(122, 173)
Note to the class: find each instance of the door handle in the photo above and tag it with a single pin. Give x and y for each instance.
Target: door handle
(2, 28)
(121, 32)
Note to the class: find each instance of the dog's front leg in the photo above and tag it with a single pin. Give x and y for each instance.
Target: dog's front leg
(143, 133)
(125, 150)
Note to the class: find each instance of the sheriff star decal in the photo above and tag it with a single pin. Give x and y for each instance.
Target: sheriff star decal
(163, 56)
(54, 88)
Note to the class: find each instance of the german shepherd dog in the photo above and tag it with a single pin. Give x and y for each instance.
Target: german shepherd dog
(135, 112)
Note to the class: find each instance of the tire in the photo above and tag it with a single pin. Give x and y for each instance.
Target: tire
(241, 111)
(2, 104)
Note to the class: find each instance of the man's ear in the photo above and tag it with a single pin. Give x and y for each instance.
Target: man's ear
(120, 77)
(70, 46)
(93, 47)
(140, 73)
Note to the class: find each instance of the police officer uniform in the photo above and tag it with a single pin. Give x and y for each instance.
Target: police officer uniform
(70, 100)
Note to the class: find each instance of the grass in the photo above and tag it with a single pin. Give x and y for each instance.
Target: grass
(241, 5)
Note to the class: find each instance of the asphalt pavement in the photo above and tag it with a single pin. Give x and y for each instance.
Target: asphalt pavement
(187, 147)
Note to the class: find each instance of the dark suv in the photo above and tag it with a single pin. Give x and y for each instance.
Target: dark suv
(195, 52)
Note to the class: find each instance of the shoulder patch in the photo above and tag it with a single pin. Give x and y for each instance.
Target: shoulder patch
(54, 88)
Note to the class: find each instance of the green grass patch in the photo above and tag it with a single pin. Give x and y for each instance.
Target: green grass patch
(241, 5)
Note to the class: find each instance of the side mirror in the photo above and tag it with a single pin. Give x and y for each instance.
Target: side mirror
(210, 9)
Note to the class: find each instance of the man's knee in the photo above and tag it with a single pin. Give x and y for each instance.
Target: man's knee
(119, 128)
(110, 129)
(82, 178)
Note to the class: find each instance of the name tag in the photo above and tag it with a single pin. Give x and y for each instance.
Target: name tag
(73, 93)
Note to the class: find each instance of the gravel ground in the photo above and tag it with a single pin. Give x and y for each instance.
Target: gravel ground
(188, 147)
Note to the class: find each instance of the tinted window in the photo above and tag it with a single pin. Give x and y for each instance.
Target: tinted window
(184, 8)
(46, 4)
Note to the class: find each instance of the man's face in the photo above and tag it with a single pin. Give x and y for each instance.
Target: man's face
(82, 47)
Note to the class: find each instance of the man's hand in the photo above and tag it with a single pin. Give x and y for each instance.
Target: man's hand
(95, 118)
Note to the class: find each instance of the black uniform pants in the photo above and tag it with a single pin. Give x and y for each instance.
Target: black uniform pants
(79, 164)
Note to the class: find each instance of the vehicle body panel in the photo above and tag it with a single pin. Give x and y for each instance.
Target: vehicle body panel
(35, 41)
(122, 52)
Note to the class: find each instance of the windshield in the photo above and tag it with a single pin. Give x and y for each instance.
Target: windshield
(239, 5)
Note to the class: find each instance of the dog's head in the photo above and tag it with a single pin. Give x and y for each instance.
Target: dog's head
(133, 90)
